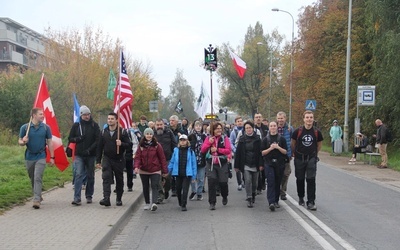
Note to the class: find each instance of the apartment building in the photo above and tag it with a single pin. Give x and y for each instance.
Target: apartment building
(19, 45)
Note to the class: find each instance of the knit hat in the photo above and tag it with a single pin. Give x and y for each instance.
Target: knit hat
(83, 110)
(148, 131)
(334, 121)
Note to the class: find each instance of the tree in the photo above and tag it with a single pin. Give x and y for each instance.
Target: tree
(181, 90)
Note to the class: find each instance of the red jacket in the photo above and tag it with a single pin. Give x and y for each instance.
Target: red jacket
(151, 159)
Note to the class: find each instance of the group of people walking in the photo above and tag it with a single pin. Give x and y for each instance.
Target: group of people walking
(176, 158)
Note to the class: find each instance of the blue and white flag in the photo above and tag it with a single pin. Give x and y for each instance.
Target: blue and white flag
(77, 116)
(201, 104)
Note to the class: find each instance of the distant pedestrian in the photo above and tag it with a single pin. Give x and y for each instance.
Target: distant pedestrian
(336, 134)
(85, 134)
(233, 138)
(142, 124)
(363, 143)
(183, 167)
(110, 158)
(150, 163)
(382, 141)
(306, 143)
(35, 135)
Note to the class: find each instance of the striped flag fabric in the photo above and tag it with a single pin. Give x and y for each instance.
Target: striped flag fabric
(201, 104)
(123, 96)
(75, 118)
(239, 64)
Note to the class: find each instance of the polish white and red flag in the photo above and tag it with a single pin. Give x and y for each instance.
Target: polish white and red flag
(238, 63)
(43, 101)
(123, 96)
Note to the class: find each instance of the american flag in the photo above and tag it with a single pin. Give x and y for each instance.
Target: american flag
(123, 96)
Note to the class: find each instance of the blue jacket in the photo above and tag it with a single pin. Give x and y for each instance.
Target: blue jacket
(191, 164)
(287, 134)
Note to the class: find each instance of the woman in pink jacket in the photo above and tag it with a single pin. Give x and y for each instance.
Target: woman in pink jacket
(217, 148)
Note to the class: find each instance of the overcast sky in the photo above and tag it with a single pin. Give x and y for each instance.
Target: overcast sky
(166, 34)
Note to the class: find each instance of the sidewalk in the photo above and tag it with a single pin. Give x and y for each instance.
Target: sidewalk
(59, 225)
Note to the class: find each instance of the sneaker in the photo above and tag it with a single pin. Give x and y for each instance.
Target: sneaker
(225, 201)
(83, 187)
(41, 198)
(36, 205)
(381, 167)
(212, 206)
(249, 203)
(218, 193)
(277, 205)
(89, 200)
(199, 197)
(240, 187)
(118, 203)
(153, 207)
(173, 193)
(272, 207)
(105, 202)
(183, 208)
(76, 203)
(146, 207)
(311, 206)
(301, 201)
(134, 176)
(166, 195)
(192, 196)
(259, 192)
(283, 197)
(130, 189)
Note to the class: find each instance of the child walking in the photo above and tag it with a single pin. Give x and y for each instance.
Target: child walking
(183, 167)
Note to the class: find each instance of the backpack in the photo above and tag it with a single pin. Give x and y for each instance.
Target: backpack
(300, 131)
(389, 136)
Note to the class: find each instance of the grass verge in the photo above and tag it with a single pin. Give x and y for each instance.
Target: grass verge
(15, 185)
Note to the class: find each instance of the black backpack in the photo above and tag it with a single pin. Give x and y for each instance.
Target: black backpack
(389, 136)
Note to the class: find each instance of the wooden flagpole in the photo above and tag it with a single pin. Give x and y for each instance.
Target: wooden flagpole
(119, 97)
(29, 126)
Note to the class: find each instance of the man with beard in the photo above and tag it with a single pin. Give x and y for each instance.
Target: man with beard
(176, 128)
(168, 142)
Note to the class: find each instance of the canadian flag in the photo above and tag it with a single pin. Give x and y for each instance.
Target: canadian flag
(43, 101)
(238, 63)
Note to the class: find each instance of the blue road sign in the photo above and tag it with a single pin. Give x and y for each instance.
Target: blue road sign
(311, 104)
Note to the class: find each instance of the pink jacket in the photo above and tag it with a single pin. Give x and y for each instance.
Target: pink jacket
(220, 151)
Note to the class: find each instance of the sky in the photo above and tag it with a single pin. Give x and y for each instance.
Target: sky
(165, 34)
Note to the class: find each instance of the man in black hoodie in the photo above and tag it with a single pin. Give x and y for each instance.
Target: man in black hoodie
(85, 134)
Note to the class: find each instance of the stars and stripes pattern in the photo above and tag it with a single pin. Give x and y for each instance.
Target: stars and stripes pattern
(123, 96)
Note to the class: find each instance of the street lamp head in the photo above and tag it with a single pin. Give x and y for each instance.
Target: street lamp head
(275, 9)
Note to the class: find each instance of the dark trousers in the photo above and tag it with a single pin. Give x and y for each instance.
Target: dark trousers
(217, 176)
(261, 181)
(274, 178)
(129, 173)
(182, 189)
(147, 180)
(356, 150)
(112, 167)
(306, 171)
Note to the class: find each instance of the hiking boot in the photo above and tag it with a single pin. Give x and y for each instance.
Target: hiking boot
(212, 206)
(272, 207)
(192, 196)
(153, 207)
(301, 201)
(183, 208)
(76, 203)
(249, 203)
(118, 203)
(36, 205)
(89, 200)
(105, 202)
(224, 201)
(311, 206)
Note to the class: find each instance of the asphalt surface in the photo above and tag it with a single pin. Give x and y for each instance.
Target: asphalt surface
(60, 225)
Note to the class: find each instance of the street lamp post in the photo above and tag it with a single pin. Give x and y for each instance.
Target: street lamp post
(270, 84)
(291, 66)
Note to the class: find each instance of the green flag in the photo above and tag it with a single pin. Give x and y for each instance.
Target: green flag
(112, 82)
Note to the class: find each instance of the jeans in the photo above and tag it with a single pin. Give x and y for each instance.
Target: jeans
(250, 180)
(182, 189)
(147, 180)
(112, 167)
(274, 177)
(201, 171)
(306, 170)
(84, 167)
(35, 171)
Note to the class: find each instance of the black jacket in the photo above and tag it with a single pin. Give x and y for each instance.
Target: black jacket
(107, 145)
(243, 156)
(86, 135)
(167, 141)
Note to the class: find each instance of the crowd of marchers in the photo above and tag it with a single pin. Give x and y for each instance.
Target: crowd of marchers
(176, 158)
